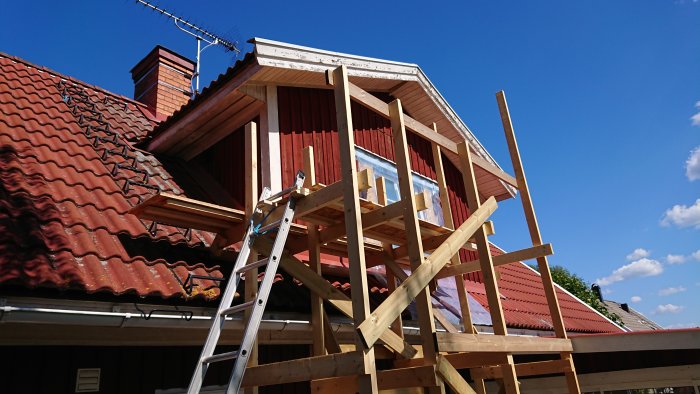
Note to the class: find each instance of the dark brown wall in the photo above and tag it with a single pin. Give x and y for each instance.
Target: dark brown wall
(124, 370)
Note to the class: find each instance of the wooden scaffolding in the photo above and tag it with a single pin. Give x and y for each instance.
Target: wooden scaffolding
(337, 220)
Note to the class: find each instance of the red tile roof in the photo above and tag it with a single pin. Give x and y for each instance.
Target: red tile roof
(525, 305)
(63, 207)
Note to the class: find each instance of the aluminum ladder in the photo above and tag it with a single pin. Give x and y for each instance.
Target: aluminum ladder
(272, 262)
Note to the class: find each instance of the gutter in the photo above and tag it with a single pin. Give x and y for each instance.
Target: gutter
(176, 319)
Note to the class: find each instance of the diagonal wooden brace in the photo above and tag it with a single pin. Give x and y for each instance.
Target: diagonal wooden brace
(378, 322)
(335, 297)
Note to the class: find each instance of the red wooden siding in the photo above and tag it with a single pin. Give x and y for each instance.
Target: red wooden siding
(307, 117)
(458, 205)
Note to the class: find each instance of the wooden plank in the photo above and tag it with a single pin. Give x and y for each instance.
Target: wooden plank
(374, 218)
(417, 377)
(305, 369)
(633, 380)
(251, 199)
(453, 379)
(485, 260)
(407, 291)
(317, 323)
(638, 341)
(510, 383)
(371, 102)
(533, 227)
(449, 223)
(318, 329)
(397, 324)
(412, 228)
(309, 167)
(506, 258)
(335, 297)
(367, 383)
(449, 342)
(397, 272)
(329, 339)
(327, 195)
(523, 369)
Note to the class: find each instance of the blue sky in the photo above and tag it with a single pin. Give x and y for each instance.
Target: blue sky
(601, 93)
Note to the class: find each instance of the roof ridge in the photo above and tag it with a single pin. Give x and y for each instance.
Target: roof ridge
(72, 79)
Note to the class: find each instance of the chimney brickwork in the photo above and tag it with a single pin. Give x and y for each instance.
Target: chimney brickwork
(162, 80)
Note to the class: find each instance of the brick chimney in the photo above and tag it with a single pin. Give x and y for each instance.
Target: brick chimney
(162, 80)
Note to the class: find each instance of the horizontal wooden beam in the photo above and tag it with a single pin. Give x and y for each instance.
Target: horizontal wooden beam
(637, 341)
(506, 258)
(315, 200)
(631, 379)
(449, 342)
(523, 369)
(419, 376)
(391, 308)
(374, 218)
(460, 360)
(305, 369)
(371, 102)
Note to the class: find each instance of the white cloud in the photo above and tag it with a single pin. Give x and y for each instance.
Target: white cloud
(675, 259)
(669, 308)
(692, 165)
(695, 119)
(637, 254)
(696, 255)
(636, 299)
(671, 290)
(683, 216)
(635, 269)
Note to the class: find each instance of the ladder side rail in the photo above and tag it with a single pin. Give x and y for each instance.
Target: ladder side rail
(218, 320)
(251, 330)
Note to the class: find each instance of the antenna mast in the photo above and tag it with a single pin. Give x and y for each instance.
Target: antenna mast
(199, 34)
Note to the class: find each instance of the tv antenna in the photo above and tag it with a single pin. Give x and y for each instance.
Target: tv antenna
(199, 34)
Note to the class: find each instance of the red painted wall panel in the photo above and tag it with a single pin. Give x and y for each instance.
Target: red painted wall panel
(307, 117)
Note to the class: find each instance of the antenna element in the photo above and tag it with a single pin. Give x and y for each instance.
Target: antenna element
(199, 34)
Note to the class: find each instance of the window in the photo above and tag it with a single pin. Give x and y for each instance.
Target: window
(385, 168)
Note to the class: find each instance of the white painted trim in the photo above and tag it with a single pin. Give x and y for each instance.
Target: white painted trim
(296, 57)
(271, 160)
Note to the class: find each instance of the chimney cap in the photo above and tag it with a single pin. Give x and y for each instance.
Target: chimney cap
(160, 51)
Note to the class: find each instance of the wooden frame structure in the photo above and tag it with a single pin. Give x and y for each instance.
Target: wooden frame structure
(338, 221)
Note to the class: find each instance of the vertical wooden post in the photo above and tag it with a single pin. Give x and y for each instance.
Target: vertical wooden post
(356, 246)
(486, 264)
(380, 187)
(416, 255)
(449, 223)
(317, 329)
(251, 199)
(533, 227)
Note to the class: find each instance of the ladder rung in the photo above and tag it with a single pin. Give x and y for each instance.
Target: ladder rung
(282, 193)
(237, 308)
(270, 226)
(251, 266)
(220, 357)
